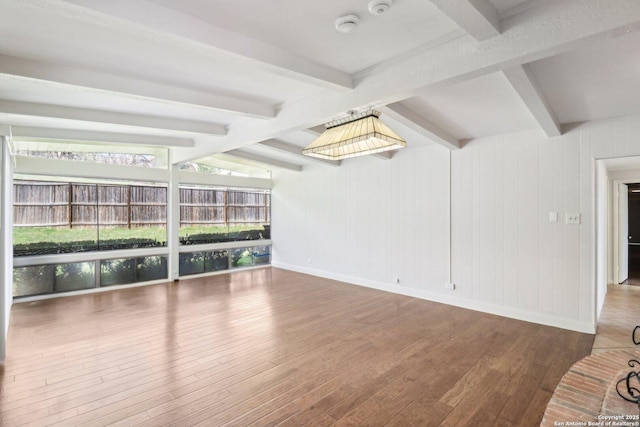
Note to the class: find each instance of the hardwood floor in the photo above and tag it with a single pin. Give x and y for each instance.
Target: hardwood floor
(272, 347)
(619, 316)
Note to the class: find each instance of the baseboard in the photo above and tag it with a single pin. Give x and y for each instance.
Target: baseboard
(499, 310)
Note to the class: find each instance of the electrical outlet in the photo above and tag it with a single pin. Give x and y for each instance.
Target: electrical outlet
(449, 286)
(572, 218)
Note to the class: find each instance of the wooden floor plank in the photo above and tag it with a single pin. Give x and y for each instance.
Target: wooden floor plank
(273, 347)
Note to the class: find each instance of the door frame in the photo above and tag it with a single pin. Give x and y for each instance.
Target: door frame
(617, 229)
(616, 225)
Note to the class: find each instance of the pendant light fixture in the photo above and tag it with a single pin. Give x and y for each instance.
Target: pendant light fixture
(356, 135)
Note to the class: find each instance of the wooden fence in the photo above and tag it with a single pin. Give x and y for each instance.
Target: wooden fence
(223, 206)
(71, 205)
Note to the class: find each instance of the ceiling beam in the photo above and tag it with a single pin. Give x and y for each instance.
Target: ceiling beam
(74, 169)
(148, 18)
(197, 178)
(17, 67)
(95, 136)
(285, 148)
(523, 7)
(419, 124)
(540, 34)
(479, 18)
(263, 160)
(109, 117)
(528, 89)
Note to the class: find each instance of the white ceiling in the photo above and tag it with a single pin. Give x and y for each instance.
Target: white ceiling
(306, 28)
(250, 79)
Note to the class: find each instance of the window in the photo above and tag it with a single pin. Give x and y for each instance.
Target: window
(212, 215)
(73, 276)
(132, 270)
(46, 279)
(219, 164)
(203, 262)
(84, 235)
(53, 217)
(146, 157)
(245, 257)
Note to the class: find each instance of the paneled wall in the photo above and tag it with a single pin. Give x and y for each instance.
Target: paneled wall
(506, 251)
(380, 223)
(6, 237)
(485, 215)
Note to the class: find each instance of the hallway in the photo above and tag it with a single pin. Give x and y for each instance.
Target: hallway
(620, 315)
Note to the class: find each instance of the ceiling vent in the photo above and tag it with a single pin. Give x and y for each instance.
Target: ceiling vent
(346, 24)
(378, 7)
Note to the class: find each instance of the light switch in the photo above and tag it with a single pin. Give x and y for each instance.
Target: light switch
(572, 218)
(553, 216)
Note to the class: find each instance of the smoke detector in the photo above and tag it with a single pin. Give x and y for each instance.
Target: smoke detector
(378, 7)
(346, 24)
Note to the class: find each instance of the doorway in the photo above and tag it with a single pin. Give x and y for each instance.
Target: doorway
(612, 175)
(633, 217)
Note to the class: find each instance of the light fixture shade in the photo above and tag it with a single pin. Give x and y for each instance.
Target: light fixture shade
(354, 136)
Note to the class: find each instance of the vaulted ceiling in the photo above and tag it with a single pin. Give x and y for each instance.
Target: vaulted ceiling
(254, 80)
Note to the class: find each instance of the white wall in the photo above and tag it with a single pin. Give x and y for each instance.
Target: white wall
(506, 256)
(603, 235)
(370, 221)
(6, 239)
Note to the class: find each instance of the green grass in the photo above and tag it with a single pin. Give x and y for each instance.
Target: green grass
(30, 235)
